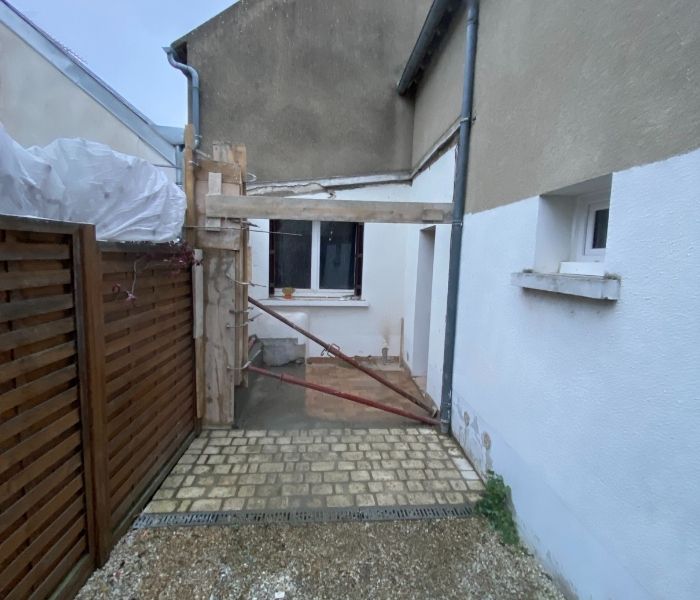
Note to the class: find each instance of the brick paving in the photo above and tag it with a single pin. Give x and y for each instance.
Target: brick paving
(229, 470)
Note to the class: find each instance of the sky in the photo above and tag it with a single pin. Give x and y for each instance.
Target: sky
(121, 42)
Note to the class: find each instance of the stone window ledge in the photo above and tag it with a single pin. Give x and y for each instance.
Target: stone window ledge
(586, 286)
(321, 302)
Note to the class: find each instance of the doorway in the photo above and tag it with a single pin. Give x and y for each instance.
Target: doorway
(424, 289)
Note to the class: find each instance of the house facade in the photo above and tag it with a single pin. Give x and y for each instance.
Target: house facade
(576, 349)
(47, 93)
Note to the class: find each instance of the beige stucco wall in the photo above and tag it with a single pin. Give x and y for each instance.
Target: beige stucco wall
(568, 90)
(439, 96)
(39, 104)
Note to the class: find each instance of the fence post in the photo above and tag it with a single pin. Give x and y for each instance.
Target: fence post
(91, 321)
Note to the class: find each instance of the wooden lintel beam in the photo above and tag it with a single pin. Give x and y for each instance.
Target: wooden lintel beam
(305, 209)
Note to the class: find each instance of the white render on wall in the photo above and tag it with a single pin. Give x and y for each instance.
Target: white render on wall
(360, 329)
(591, 410)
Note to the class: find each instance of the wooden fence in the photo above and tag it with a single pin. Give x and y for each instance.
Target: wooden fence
(97, 396)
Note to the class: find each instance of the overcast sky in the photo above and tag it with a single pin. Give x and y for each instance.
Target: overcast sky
(121, 41)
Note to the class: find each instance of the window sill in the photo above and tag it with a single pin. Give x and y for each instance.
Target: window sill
(321, 302)
(586, 286)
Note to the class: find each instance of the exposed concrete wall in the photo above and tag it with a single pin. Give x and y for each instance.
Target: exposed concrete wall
(309, 85)
(39, 104)
(439, 95)
(568, 90)
(592, 408)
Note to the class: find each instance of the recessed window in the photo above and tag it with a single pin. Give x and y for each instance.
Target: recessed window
(572, 229)
(316, 258)
(590, 234)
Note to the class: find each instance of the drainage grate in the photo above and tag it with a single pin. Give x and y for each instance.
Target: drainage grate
(300, 516)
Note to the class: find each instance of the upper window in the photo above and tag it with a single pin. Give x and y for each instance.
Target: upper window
(316, 258)
(590, 234)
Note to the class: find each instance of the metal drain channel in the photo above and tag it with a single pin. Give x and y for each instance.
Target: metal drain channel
(300, 516)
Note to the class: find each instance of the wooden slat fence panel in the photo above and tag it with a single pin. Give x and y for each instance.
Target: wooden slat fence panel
(149, 368)
(45, 506)
(97, 397)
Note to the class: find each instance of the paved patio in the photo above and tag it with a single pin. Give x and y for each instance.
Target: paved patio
(233, 470)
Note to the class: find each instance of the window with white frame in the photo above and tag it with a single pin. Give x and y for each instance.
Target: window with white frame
(590, 233)
(316, 259)
(572, 229)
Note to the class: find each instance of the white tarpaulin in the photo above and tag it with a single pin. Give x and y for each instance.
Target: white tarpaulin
(127, 198)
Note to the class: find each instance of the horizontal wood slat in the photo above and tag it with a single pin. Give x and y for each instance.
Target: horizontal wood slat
(21, 309)
(15, 251)
(32, 362)
(35, 333)
(20, 280)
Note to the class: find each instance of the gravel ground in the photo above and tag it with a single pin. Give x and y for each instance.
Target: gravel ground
(457, 558)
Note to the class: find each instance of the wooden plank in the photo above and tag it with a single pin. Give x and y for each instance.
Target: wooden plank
(17, 453)
(20, 280)
(21, 309)
(35, 333)
(146, 317)
(127, 423)
(70, 546)
(135, 375)
(157, 277)
(33, 225)
(198, 331)
(125, 341)
(156, 475)
(127, 475)
(32, 362)
(24, 531)
(135, 355)
(230, 172)
(158, 446)
(55, 456)
(36, 251)
(28, 391)
(157, 297)
(93, 403)
(29, 418)
(48, 485)
(304, 209)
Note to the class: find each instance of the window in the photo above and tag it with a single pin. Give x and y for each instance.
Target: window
(590, 234)
(572, 229)
(322, 259)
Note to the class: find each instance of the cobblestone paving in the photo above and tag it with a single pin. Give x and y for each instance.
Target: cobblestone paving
(317, 468)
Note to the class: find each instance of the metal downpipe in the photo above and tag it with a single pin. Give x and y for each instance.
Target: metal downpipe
(193, 77)
(458, 202)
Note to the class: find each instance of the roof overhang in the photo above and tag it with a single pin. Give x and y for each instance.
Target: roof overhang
(430, 38)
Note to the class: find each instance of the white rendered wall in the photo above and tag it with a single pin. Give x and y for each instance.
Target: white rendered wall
(39, 104)
(432, 185)
(358, 330)
(593, 408)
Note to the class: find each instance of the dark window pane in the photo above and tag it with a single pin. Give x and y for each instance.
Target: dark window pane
(337, 256)
(600, 228)
(293, 254)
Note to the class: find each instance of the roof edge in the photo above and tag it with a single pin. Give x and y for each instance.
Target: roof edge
(86, 80)
(435, 26)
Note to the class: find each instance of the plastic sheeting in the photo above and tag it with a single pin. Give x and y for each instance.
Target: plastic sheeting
(127, 198)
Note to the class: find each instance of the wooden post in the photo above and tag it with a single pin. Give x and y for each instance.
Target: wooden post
(191, 220)
(91, 343)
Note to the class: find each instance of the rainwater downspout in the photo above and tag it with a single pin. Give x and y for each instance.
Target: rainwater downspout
(193, 76)
(458, 202)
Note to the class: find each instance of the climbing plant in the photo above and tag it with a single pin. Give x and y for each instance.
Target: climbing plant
(495, 507)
